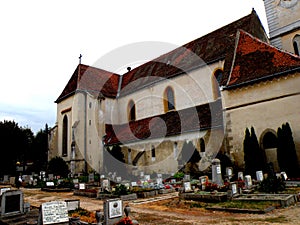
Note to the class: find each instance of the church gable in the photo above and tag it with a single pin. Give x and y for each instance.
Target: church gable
(255, 60)
(92, 80)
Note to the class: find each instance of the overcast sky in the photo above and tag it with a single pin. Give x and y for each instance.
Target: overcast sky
(40, 42)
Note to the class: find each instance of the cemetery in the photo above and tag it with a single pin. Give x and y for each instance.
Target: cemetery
(232, 192)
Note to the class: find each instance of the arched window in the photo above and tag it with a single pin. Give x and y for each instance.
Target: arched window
(169, 101)
(296, 44)
(218, 75)
(216, 83)
(153, 153)
(131, 111)
(202, 145)
(65, 136)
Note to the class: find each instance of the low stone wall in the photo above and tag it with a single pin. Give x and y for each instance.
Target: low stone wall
(129, 197)
(283, 199)
(205, 197)
(147, 194)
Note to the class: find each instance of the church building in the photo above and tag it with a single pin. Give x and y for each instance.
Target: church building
(189, 105)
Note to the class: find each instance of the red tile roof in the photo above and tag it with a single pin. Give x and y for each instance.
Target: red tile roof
(255, 60)
(92, 80)
(211, 47)
(197, 118)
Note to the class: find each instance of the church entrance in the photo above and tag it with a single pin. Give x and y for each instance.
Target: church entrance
(269, 145)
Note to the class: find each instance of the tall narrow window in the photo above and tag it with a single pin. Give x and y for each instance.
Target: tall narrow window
(153, 153)
(296, 44)
(131, 111)
(169, 101)
(65, 137)
(129, 157)
(216, 83)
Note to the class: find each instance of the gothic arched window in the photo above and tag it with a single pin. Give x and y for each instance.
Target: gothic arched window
(131, 111)
(169, 100)
(65, 136)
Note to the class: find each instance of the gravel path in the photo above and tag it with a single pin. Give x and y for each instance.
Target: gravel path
(154, 212)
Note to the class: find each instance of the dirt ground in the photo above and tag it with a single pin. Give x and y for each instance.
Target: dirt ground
(172, 211)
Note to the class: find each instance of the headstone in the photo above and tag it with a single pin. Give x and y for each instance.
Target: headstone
(203, 181)
(284, 176)
(159, 175)
(91, 177)
(12, 180)
(142, 174)
(187, 177)
(187, 187)
(159, 181)
(50, 184)
(233, 187)
(119, 179)
(240, 176)
(54, 212)
(50, 176)
(73, 204)
(2, 190)
(5, 178)
(147, 177)
(173, 181)
(216, 172)
(113, 211)
(82, 186)
(229, 172)
(12, 203)
(259, 176)
(133, 184)
(248, 181)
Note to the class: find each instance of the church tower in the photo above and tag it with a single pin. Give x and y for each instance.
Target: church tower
(284, 24)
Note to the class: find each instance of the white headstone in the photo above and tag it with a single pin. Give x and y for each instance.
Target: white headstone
(248, 181)
(187, 187)
(285, 177)
(55, 212)
(81, 186)
(240, 176)
(259, 176)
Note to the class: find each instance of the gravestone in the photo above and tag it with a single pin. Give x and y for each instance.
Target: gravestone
(91, 178)
(119, 179)
(283, 175)
(233, 189)
(72, 204)
(113, 211)
(216, 172)
(55, 212)
(12, 203)
(229, 172)
(240, 176)
(259, 176)
(81, 186)
(187, 177)
(159, 175)
(159, 181)
(133, 184)
(187, 187)
(5, 178)
(147, 177)
(50, 176)
(50, 184)
(203, 181)
(248, 181)
(4, 189)
(12, 180)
